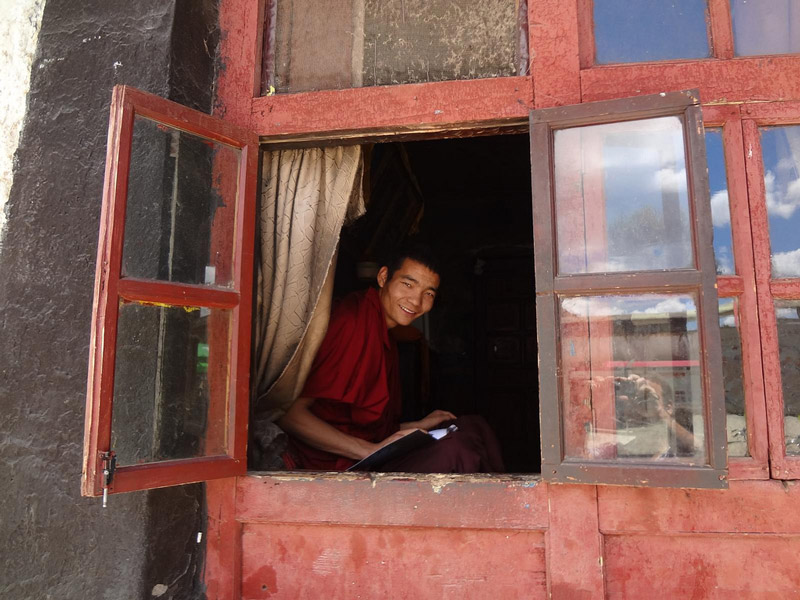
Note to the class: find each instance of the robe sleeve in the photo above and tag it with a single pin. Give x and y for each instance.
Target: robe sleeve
(338, 356)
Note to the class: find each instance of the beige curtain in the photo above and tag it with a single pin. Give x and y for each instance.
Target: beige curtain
(307, 194)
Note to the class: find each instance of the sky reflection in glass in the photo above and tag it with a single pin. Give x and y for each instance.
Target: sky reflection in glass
(720, 207)
(780, 148)
(622, 201)
(648, 30)
(765, 26)
(732, 376)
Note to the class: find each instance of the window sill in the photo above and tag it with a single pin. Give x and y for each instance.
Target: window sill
(516, 502)
(435, 479)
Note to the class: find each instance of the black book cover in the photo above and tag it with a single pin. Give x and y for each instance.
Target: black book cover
(404, 445)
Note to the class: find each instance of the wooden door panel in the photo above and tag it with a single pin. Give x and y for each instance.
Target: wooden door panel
(702, 566)
(747, 507)
(319, 561)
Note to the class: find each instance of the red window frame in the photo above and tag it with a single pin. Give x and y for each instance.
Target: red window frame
(700, 280)
(111, 288)
(719, 29)
(768, 289)
(742, 286)
(754, 76)
(560, 76)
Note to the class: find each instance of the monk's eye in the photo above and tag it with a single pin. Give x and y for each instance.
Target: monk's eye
(405, 283)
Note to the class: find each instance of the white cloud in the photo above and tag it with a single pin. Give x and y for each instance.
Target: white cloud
(729, 321)
(720, 209)
(669, 179)
(724, 259)
(592, 307)
(786, 313)
(793, 192)
(785, 164)
(631, 145)
(609, 306)
(786, 264)
(584, 307)
(783, 199)
(668, 305)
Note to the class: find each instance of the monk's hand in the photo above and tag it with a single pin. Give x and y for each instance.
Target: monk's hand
(394, 437)
(431, 421)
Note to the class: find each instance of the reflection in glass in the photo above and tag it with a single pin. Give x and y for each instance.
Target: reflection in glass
(622, 202)
(170, 383)
(179, 217)
(765, 26)
(344, 44)
(631, 378)
(780, 147)
(732, 376)
(626, 31)
(720, 208)
(787, 313)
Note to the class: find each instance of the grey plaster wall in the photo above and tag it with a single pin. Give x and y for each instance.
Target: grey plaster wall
(55, 544)
(19, 30)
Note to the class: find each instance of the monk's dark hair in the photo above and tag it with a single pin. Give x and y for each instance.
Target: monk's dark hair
(415, 250)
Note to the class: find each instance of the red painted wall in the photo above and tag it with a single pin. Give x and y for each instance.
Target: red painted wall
(295, 536)
(433, 537)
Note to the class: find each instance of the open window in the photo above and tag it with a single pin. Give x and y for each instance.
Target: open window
(168, 380)
(630, 385)
(627, 315)
(475, 353)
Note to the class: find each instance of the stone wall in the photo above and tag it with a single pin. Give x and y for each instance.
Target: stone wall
(19, 30)
(55, 543)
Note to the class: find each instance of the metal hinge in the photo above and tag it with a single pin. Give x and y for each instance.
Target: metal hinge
(109, 466)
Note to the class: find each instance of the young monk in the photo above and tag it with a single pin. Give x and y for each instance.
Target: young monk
(351, 403)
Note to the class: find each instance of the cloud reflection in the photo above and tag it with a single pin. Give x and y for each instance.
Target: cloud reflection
(786, 264)
(720, 209)
(787, 313)
(670, 179)
(612, 306)
(783, 198)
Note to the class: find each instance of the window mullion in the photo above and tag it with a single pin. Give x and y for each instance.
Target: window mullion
(721, 30)
(742, 287)
(629, 282)
(175, 294)
(780, 465)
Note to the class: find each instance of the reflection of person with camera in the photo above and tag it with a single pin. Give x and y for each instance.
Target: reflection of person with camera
(652, 397)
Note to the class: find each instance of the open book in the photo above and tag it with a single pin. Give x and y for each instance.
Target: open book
(404, 445)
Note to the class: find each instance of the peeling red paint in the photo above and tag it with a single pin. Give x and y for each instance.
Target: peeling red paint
(486, 538)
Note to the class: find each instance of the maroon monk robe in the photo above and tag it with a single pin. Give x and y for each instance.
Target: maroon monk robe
(354, 380)
(355, 383)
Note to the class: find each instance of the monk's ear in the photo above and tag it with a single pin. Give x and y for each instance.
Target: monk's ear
(383, 275)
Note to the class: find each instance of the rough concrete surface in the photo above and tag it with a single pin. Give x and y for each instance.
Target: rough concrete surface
(19, 30)
(56, 544)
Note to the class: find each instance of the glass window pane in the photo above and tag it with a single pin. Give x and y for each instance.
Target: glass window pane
(170, 383)
(781, 151)
(631, 378)
(648, 30)
(720, 208)
(732, 376)
(621, 197)
(787, 313)
(179, 218)
(765, 26)
(353, 43)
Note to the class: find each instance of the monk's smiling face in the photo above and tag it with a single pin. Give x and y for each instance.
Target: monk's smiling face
(408, 294)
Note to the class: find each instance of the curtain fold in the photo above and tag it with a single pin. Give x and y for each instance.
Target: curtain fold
(307, 195)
